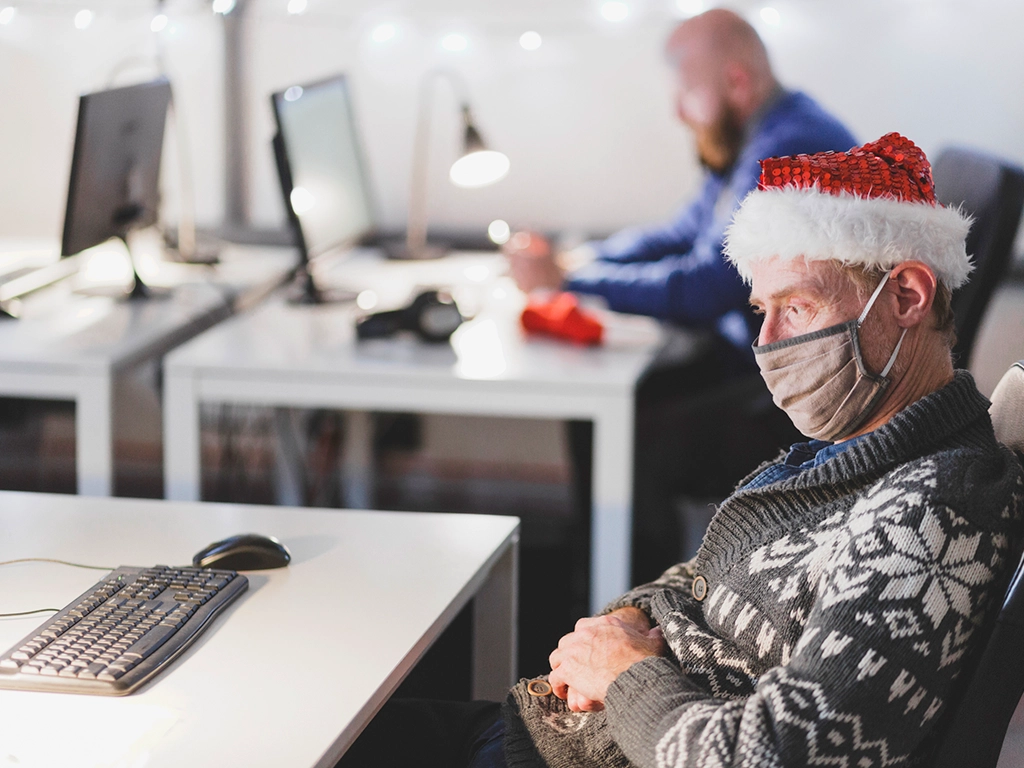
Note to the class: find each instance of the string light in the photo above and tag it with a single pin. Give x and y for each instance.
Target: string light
(615, 10)
(454, 43)
(382, 33)
(530, 41)
(7, 15)
(83, 19)
(223, 7)
(499, 231)
(295, 7)
(159, 23)
(771, 17)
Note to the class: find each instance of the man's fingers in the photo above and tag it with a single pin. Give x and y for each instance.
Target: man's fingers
(558, 685)
(574, 701)
(592, 621)
(579, 703)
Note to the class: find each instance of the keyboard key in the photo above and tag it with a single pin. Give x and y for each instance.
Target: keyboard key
(153, 640)
(88, 673)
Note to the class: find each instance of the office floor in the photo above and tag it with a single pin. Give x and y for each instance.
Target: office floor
(439, 464)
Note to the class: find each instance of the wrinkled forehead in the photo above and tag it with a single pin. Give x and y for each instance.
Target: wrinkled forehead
(774, 278)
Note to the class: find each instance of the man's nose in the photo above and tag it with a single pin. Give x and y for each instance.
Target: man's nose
(769, 332)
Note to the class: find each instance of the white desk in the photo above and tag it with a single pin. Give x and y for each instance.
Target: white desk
(67, 346)
(293, 356)
(365, 595)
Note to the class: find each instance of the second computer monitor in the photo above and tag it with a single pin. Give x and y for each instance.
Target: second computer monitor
(329, 193)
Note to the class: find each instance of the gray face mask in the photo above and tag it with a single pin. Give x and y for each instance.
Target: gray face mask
(819, 378)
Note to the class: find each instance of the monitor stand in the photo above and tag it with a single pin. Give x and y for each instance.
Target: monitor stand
(140, 291)
(424, 252)
(305, 291)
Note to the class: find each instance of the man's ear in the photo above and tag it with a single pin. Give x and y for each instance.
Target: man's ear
(913, 284)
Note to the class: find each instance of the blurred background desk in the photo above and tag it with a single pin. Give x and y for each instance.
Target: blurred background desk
(365, 596)
(69, 346)
(283, 355)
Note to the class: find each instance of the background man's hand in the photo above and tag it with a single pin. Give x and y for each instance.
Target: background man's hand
(532, 263)
(589, 659)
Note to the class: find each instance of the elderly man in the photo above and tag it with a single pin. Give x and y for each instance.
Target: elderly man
(727, 94)
(842, 590)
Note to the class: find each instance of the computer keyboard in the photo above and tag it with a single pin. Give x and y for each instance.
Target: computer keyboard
(120, 633)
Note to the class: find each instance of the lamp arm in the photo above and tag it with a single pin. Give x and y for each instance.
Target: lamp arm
(416, 227)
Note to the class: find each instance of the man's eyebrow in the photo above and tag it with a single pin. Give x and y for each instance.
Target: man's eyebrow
(756, 301)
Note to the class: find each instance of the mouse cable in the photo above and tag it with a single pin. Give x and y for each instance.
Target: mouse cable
(52, 560)
(44, 560)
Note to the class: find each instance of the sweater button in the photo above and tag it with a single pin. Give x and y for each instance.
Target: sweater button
(538, 688)
(699, 588)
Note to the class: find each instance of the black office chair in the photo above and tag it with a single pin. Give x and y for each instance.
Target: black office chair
(992, 191)
(974, 732)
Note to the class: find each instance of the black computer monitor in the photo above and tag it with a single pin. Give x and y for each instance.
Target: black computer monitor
(115, 170)
(322, 172)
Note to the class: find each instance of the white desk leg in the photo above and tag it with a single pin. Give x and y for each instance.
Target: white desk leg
(182, 450)
(94, 439)
(357, 461)
(288, 466)
(495, 628)
(611, 522)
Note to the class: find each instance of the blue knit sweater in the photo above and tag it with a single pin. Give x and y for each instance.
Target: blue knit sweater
(677, 272)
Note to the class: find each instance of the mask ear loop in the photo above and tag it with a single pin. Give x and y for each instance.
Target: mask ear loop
(864, 314)
(871, 301)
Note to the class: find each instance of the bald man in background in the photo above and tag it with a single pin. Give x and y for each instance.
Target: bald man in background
(728, 96)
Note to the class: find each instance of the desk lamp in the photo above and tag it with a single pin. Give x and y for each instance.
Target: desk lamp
(477, 166)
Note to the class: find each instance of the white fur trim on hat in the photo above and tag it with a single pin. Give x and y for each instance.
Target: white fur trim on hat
(870, 231)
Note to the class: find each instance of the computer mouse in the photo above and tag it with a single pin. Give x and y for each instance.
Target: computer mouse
(244, 552)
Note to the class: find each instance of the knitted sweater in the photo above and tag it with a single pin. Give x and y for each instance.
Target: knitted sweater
(841, 607)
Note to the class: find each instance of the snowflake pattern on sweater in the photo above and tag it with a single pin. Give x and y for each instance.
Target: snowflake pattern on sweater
(842, 607)
(929, 574)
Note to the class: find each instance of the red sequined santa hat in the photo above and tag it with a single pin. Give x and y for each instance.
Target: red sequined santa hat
(873, 206)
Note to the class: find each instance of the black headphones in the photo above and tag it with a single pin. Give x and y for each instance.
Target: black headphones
(432, 316)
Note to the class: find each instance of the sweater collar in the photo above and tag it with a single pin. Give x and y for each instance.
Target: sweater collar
(956, 412)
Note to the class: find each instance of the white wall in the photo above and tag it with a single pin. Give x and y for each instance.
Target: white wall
(586, 119)
(45, 62)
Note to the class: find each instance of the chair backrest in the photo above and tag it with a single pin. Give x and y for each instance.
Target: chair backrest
(1007, 409)
(975, 732)
(992, 191)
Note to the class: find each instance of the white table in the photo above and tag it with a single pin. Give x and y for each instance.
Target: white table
(365, 595)
(282, 355)
(67, 346)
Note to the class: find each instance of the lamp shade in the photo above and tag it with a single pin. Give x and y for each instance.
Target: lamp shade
(478, 166)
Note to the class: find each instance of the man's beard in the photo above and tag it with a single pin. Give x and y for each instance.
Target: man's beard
(719, 144)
